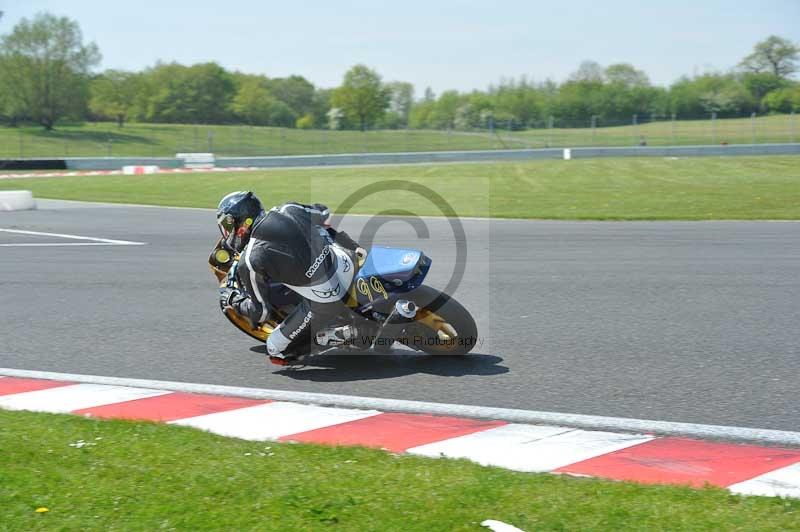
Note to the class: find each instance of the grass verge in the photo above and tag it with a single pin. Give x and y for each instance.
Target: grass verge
(702, 188)
(164, 140)
(144, 476)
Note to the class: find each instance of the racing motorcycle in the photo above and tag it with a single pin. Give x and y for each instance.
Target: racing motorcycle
(386, 304)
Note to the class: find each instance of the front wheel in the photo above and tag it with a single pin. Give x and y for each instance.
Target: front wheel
(442, 325)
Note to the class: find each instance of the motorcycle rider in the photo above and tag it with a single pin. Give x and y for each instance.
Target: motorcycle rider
(289, 244)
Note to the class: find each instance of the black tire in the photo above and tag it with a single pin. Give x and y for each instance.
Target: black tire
(422, 337)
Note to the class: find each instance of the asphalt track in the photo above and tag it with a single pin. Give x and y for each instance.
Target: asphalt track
(675, 321)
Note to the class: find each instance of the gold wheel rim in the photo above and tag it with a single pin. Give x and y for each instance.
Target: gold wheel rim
(445, 333)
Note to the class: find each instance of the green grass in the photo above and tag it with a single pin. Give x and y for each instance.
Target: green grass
(106, 139)
(165, 140)
(142, 476)
(702, 188)
(764, 129)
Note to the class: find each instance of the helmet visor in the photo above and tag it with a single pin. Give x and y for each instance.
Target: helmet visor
(227, 224)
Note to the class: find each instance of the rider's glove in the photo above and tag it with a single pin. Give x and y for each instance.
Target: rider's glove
(226, 297)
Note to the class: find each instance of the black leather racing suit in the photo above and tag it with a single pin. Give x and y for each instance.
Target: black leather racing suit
(291, 245)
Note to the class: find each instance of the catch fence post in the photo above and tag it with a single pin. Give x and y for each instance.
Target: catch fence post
(108, 146)
(792, 127)
(653, 122)
(210, 141)
(753, 127)
(713, 127)
(196, 139)
(550, 121)
(21, 145)
(594, 128)
(672, 128)
(635, 128)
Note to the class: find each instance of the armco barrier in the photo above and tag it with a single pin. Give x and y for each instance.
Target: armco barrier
(507, 155)
(33, 164)
(354, 159)
(350, 159)
(116, 163)
(688, 151)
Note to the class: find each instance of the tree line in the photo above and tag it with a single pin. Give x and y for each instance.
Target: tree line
(47, 75)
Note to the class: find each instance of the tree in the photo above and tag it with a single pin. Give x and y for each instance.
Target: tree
(12, 107)
(625, 75)
(783, 100)
(321, 104)
(281, 115)
(295, 91)
(200, 93)
(335, 116)
(588, 71)
(113, 95)
(774, 54)
(253, 103)
(444, 114)
(362, 96)
(711, 92)
(305, 122)
(46, 65)
(473, 112)
(420, 117)
(759, 84)
(520, 101)
(402, 100)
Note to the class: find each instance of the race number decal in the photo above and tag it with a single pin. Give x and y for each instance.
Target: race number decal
(374, 285)
(363, 287)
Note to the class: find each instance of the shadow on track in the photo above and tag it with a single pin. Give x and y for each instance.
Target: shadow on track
(399, 363)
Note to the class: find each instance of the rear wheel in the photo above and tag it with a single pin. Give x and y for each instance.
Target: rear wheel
(442, 325)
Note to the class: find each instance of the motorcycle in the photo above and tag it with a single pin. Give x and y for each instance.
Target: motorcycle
(387, 303)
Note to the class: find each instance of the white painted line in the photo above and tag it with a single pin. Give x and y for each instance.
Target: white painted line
(499, 526)
(42, 202)
(638, 426)
(74, 397)
(58, 244)
(531, 448)
(783, 482)
(273, 420)
(105, 241)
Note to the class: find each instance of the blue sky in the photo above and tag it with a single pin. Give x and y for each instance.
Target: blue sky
(457, 44)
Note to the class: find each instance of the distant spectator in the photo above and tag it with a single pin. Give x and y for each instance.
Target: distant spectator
(642, 141)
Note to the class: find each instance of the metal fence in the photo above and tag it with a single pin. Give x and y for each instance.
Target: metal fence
(165, 140)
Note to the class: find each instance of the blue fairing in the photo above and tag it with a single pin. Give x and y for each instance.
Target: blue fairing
(399, 270)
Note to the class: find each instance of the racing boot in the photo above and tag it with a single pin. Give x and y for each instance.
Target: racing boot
(286, 359)
(336, 336)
